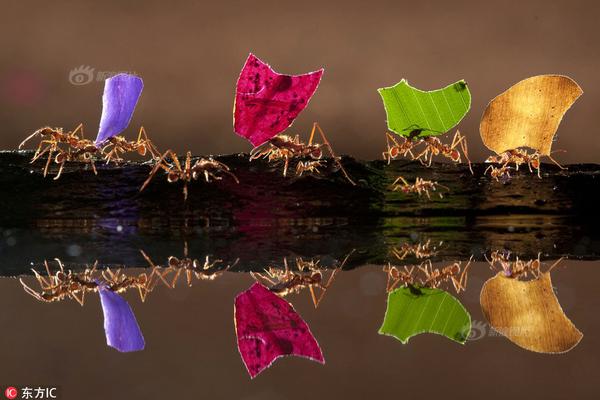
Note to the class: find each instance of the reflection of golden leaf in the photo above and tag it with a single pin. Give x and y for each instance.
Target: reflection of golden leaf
(528, 113)
(528, 314)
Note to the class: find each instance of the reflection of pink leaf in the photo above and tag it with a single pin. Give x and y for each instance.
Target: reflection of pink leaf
(266, 103)
(267, 327)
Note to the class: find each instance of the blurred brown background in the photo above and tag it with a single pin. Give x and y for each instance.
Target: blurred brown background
(190, 53)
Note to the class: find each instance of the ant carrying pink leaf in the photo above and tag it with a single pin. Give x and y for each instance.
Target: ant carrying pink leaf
(268, 327)
(120, 326)
(266, 104)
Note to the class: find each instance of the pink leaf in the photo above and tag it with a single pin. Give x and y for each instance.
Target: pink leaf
(268, 327)
(266, 103)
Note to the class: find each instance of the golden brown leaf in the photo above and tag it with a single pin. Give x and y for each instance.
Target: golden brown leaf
(528, 113)
(528, 314)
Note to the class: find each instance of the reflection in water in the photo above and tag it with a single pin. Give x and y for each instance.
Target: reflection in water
(518, 269)
(192, 268)
(308, 274)
(417, 280)
(528, 313)
(267, 328)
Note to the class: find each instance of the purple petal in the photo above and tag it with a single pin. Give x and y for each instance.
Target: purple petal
(267, 327)
(120, 326)
(121, 93)
(266, 103)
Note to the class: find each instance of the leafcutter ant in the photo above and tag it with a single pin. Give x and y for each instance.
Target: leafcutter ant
(62, 284)
(115, 146)
(284, 147)
(308, 275)
(420, 186)
(209, 168)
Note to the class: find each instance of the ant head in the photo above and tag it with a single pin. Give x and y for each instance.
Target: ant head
(454, 269)
(73, 141)
(394, 151)
(173, 176)
(173, 262)
(46, 131)
(141, 150)
(492, 159)
(535, 163)
(455, 155)
(316, 153)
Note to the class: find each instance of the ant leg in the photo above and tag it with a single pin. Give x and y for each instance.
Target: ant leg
(31, 292)
(60, 169)
(465, 149)
(312, 133)
(336, 159)
(185, 191)
(285, 167)
(28, 138)
(555, 264)
(159, 164)
(48, 162)
(78, 128)
(555, 162)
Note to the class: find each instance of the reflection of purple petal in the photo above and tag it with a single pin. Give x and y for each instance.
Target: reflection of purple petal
(266, 103)
(121, 93)
(121, 329)
(267, 327)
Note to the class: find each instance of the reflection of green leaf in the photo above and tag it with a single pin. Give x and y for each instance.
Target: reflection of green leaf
(411, 311)
(413, 112)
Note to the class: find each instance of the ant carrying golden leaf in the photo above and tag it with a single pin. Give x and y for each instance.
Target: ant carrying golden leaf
(308, 275)
(266, 104)
(418, 250)
(419, 116)
(527, 115)
(518, 269)
(420, 186)
(207, 168)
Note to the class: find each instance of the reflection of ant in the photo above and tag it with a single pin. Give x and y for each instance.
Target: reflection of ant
(499, 173)
(420, 186)
(436, 276)
(309, 275)
(284, 147)
(518, 269)
(432, 277)
(56, 287)
(396, 276)
(203, 167)
(419, 250)
(191, 267)
(119, 282)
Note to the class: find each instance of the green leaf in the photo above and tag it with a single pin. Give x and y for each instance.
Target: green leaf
(411, 311)
(415, 113)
